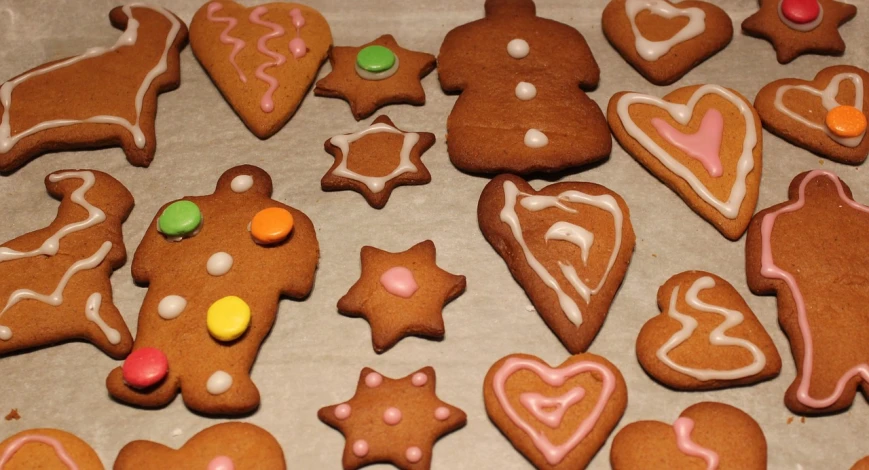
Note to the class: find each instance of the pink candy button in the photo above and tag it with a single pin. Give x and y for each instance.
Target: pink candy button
(801, 11)
(145, 367)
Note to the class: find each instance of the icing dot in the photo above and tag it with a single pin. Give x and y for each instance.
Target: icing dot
(180, 219)
(800, 11)
(342, 411)
(399, 281)
(218, 383)
(360, 448)
(219, 264)
(272, 225)
(241, 183)
(171, 306)
(526, 91)
(373, 379)
(375, 59)
(221, 462)
(392, 416)
(228, 318)
(419, 379)
(442, 413)
(413, 454)
(518, 48)
(535, 139)
(145, 367)
(846, 121)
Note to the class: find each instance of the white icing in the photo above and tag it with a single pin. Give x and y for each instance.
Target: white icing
(241, 183)
(828, 100)
(219, 263)
(682, 113)
(375, 184)
(92, 312)
(717, 337)
(654, 50)
(803, 28)
(539, 202)
(535, 139)
(128, 38)
(367, 75)
(518, 48)
(218, 383)
(171, 306)
(575, 234)
(526, 91)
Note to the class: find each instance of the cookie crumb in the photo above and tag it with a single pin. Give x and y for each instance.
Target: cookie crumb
(790, 420)
(803, 419)
(177, 432)
(13, 414)
(654, 255)
(820, 162)
(529, 308)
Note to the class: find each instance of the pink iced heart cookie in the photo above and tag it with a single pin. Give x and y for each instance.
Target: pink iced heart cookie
(558, 418)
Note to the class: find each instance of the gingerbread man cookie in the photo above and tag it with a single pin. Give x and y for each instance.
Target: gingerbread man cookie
(521, 109)
(47, 449)
(67, 104)
(215, 267)
(862, 464)
(55, 280)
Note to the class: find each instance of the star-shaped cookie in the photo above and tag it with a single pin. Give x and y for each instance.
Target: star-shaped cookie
(383, 157)
(397, 80)
(800, 27)
(392, 420)
(401, 294)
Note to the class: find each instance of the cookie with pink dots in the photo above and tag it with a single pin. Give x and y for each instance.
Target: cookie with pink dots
(707, 435)
(216, 267)
(225, 446)
(47, 449)
(393, 421)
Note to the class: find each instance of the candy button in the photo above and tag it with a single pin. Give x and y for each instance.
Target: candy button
(145, 367)
(221, 462)
(180, 219)
(375, 59)
(846, 121)
(271, 225)
(228, 318)
(801, 11)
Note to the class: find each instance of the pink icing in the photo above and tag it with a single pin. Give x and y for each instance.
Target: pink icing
(556, 378)
(683, 427)
(225, 38)
(373, 379)
(442, 413)
(419, 379)
(221, 462)
(704, 145)
(16, 445)
(297, 44)
(769, 270)
(399, 281)
(342, 411)
(360, 448)
(538, 404)
(266, 103)
(413, 454)
(392, 416)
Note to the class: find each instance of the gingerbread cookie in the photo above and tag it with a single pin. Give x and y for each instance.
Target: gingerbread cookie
(826, 116)
(809, 252)
(67, 104)
(262, 59)
(521, 109)
(384, 157)
(401, 294)
(55, 280)
(215, 267)
(707, 435)
(862, 464)
(568, 245)
(376, 74)
(557, 417)
(705, 343)
(797, 27)
(225, 446)
(705, 142)
(47, 449)
(393, 421)
(664, 41)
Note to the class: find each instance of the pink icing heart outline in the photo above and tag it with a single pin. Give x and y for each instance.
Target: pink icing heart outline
(535, 403)
(555, 378)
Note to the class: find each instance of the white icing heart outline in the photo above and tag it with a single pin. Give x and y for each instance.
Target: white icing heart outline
(654, 50)
(682, 113)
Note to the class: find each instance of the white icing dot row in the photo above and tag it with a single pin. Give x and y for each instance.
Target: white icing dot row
(525, 91)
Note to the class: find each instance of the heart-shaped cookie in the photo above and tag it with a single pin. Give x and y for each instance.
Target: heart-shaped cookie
(705, 142)
(262, 59)
(663, 41)
(826, 116)
(708, 435)
(558, 418)
(47, 449)
(568, 245)
(706, 337)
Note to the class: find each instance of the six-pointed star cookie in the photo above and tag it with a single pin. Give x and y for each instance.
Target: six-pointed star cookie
(401, 294)
(392, 420)
(375, 75)
(376, 160)
(800, 27)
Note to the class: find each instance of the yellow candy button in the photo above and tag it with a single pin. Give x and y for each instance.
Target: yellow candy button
(228, 318)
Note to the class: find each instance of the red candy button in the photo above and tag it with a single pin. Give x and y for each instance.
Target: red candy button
(801, 11)
(145, 367)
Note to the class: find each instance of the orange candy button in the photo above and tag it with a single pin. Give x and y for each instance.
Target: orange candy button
(846, 121)
(271, 225)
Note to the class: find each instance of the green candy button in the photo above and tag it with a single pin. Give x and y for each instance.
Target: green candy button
(180, 219)
(375, 59)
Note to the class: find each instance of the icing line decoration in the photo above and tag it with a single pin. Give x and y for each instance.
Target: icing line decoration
(92, 313)
(237, 43)
(704, 145)
(683, 428)
(375, 184)
(654, 50)
(828, 100)
(267, 104)
(17, 444)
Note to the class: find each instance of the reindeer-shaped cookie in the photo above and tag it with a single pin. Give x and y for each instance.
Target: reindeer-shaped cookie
(215, 267)
(106, 96)
(54, 282)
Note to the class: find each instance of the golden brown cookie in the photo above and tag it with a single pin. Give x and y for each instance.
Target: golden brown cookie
(105, 97)
(521, 109)
(706, 337)
(47, 449)
(215, 267)
(55, 281)
(862, 464)
(568, 246)
(705, 142)
(662, 40)
(826, 116)
(263, 59)
(809, 252)
(707, 435)
(557, 417)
